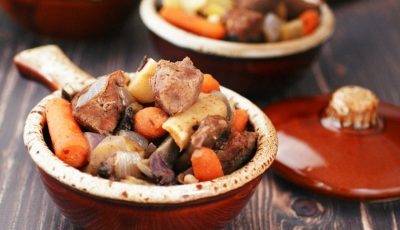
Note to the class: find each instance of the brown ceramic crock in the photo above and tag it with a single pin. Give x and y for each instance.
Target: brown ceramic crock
(70, 18)
(96, 203)
(244, 67)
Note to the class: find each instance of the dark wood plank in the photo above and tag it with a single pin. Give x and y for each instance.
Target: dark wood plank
(364, 51)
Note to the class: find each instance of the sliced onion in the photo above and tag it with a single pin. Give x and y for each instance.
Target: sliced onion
(144, 167)
(125, 164)
(126, 97)
(106, 149)
(136, 137)
(151, 148)
(93, 139)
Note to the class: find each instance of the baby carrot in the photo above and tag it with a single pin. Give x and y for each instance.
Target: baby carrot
(193, 23)
(209, 84)
(239, 120)
(69, 142)
(310, 19)
(206, 165)
(148, 122)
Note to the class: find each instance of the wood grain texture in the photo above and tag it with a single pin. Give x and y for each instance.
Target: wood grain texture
(364, 50)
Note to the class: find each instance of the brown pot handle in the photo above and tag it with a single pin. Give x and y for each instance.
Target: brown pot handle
(49, 65)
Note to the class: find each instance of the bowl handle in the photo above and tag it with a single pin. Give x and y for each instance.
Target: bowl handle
(49, 65)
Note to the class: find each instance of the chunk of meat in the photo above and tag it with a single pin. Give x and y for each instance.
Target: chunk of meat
(237, 150)
(162, 160)
(244, 25)
(99, 106)
(209, 131)
(176, 86)
(262, 6)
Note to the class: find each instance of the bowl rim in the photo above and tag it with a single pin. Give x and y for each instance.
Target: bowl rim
(187, 40)
(151, 194)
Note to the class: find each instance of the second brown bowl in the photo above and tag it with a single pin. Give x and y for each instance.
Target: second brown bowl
(244, 67)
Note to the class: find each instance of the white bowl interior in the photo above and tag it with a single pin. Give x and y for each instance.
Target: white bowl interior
(49, 163)
(184, 39)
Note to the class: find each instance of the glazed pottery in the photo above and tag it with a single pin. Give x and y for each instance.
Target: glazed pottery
(70, 19)
(244, 67)
(96, 203)
(341, 162)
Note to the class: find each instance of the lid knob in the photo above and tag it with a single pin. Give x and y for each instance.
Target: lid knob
(353, 107)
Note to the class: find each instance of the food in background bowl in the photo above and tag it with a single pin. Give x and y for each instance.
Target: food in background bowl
(93, 202)
(164, 124)
(248, 68)
(243, 20)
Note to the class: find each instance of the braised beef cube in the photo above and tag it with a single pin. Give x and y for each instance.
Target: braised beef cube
(237, 150)
(210, 129)
(99, 106)
(176, 86)
(244, 25)
(262, 6)
(207, 134)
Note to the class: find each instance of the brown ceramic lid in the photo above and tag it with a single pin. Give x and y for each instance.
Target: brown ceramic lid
(345, 144)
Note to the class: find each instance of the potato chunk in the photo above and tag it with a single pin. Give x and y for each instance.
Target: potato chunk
(139, 86)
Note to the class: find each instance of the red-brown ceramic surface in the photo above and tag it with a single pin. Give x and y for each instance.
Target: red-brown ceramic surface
(70, 18)
(339, 162)
(92, 212)
(245, 68)
(96, 203)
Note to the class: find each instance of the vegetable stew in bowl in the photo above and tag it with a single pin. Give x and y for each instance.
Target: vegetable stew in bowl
(252, 21)
(243, 62)
(167, 124)
(131, 197)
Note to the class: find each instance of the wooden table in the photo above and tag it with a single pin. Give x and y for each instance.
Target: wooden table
(365, 50)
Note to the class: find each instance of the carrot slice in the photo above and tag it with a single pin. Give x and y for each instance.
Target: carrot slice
(148, 122)
(209, 84)
(239, 120)
(206, 165)
(310, 19)
(69, 142)
(193, 23)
